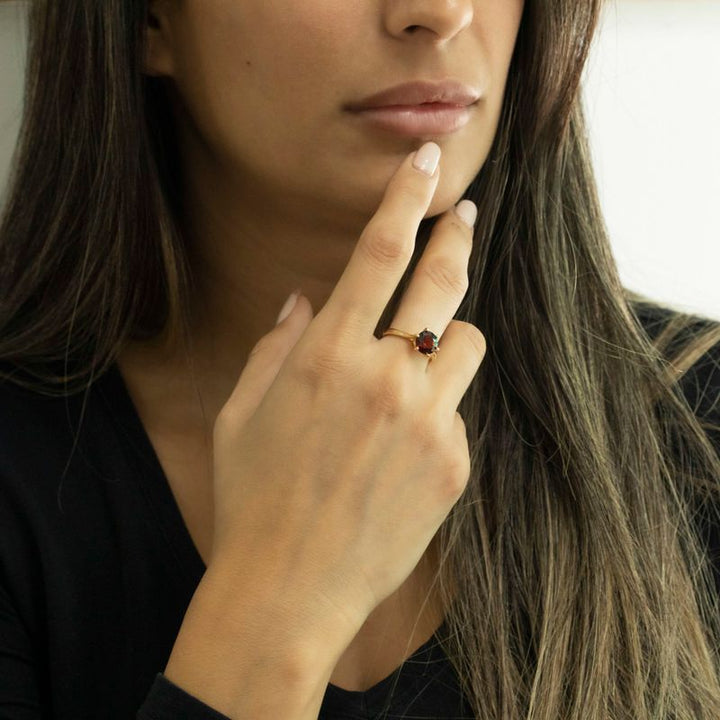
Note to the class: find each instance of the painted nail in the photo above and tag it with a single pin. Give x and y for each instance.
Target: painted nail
(427, 158)
(467, 211)
(288, 307)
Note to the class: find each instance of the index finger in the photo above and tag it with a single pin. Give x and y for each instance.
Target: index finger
(386, 245)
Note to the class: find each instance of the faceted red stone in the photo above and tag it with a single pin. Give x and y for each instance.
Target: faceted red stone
(426, 342)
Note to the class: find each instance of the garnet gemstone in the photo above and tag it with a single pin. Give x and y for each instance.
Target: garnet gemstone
(426, 342)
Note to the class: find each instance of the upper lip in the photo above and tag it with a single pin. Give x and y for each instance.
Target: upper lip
(450, 92)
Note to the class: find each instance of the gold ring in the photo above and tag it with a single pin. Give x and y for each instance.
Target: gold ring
(425, 342)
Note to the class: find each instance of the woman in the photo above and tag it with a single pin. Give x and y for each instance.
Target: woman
(208, 515)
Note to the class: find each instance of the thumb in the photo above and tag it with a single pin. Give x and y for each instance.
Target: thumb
(268, 355)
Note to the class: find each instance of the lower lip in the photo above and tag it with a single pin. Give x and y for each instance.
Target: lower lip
(415, 120)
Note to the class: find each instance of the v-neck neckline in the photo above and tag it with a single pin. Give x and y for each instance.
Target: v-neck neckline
(154, 482)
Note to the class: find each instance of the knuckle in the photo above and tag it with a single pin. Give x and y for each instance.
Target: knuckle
(460, 434)
(268, 345)
(428, 433)
(316, 367)
(384, 246)
(475, 339)
(463, 230)
(446, 275)
(456, 475)
(389, 394)
(432, 437)
(412, 193)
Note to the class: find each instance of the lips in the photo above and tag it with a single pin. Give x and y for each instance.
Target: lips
(448, 92)
(420, 109)
(419, 121)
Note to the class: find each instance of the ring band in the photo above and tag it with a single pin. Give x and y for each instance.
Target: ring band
(425, 342)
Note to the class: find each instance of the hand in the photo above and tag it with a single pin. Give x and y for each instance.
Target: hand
(338, 455)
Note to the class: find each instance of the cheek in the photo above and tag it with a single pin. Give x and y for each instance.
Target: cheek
(500, 25)
(255, 72)
(497, 33)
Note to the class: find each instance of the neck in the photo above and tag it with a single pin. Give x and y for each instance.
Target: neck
(250, 246)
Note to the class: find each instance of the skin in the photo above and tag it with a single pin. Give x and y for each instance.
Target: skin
(281, 180)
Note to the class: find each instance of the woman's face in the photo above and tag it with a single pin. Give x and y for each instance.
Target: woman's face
(264, 87)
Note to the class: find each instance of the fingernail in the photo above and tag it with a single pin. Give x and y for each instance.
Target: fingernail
(427, 158)
(467, 211)
(287, 308)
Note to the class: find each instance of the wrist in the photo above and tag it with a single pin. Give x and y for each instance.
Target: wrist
(233, 654)
(295, 632)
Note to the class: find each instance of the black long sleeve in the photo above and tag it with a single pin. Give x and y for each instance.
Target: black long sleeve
(167, 701)
(97, 569)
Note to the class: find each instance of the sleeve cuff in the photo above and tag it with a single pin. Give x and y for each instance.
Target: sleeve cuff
(167, 701)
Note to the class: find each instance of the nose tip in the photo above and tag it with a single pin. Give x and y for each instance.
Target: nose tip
(441, 20)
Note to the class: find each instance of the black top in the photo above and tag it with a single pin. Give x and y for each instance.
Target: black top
(97, 569)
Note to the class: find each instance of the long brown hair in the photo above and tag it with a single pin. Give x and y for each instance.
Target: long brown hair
(572, 573)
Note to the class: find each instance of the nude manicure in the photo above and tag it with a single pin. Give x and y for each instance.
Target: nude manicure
(467, 211)
(427, 158)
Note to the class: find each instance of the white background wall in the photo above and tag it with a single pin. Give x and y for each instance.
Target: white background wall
(652, 96)
(653, 103)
